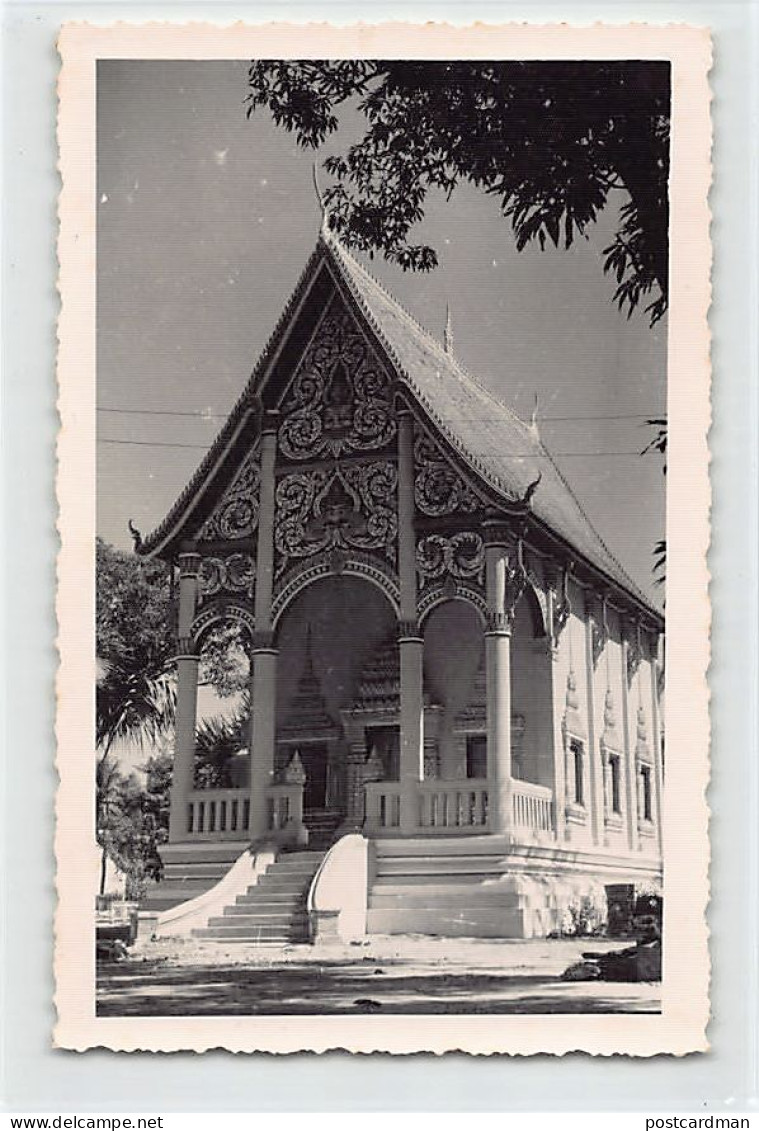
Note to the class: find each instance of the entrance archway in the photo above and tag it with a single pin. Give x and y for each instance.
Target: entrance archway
(326, 637)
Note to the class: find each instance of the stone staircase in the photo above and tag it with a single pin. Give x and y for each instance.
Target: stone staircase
(273, 911)
(189, 871)
(451, 888)
(322, 825)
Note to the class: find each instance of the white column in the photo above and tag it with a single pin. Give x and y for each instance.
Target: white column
(658, 782)
(411, 647)
(498, 683)
(595, 768)
(263, 731)
(410, 640)
(631, 785)
(183, 771)
(262, 735)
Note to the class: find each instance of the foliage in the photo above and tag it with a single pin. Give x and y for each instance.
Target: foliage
(549, 140)
(658, 444)
(585, 914)
(218, 739)
(224, 661)
(131, 823)
(136, 693)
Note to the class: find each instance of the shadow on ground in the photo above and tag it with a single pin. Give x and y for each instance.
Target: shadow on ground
(151, 987)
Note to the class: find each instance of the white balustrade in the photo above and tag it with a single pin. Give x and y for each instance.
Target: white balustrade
(383, 805)
(218, 814)
(285, 805)
(439, 807)
(532, 807)
(453, 807)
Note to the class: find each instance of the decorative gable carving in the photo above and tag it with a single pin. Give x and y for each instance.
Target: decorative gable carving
(343, 507)
(460, 556)
(439, 489)
(236, 514)
(340, 399)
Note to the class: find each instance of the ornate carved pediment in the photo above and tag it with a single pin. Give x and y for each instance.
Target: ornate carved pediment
(235, 573)
(439, 489)
(573, 721)
(461, 556)
(611, 739)
(236, 513)
(340, 399)
(642, 751)
(347, 506)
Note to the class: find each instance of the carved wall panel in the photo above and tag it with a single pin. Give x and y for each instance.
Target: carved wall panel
(438, 487)
(236, 514)
(340, 399)
(460, 556)
(233, 574)
(348, 507)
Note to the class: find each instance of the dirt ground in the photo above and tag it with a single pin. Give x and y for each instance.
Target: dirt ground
(391, 974)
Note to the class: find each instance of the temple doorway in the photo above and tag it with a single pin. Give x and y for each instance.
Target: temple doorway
(329, 639)
(315, 756)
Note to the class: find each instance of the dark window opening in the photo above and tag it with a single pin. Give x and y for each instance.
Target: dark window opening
(476, 756)
(579, 769)
(645, 777)
(616, 792)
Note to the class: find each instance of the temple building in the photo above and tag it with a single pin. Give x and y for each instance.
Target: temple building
(454, 686)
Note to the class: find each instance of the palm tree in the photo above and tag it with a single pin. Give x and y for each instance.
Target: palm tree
(133, 704)
(219, 738)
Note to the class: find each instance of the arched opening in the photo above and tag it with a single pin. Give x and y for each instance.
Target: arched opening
(223, 701)
(454, 685)
(329, 697)
(531, 696)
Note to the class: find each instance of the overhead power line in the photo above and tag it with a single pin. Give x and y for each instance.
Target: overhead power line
(653, 414)
(507, 455)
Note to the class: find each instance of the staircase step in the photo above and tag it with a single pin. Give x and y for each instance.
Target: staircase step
(268, 895)
(272, 935)
(296, 880)
(272, 912)
(264, 907)
(283, 922)
(295, 867)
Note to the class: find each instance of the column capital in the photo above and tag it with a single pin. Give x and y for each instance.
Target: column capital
(189, 564)
(270, 421)
(408, 629)
(263, 641)
(187, 649)
(497, 533)
(499, 622)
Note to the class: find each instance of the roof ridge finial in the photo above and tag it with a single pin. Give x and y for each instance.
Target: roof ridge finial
(534, 418)
(448, 336)
(324, 228)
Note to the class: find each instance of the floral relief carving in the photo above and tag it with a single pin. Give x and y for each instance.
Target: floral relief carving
(340, 398)
(461, 556)
(235, 573)
(438, 487)
(236, 515)
(339, 508)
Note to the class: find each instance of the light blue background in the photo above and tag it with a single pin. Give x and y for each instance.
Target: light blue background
(38, 1078)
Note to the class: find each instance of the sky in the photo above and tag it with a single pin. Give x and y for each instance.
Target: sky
(205, 221)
